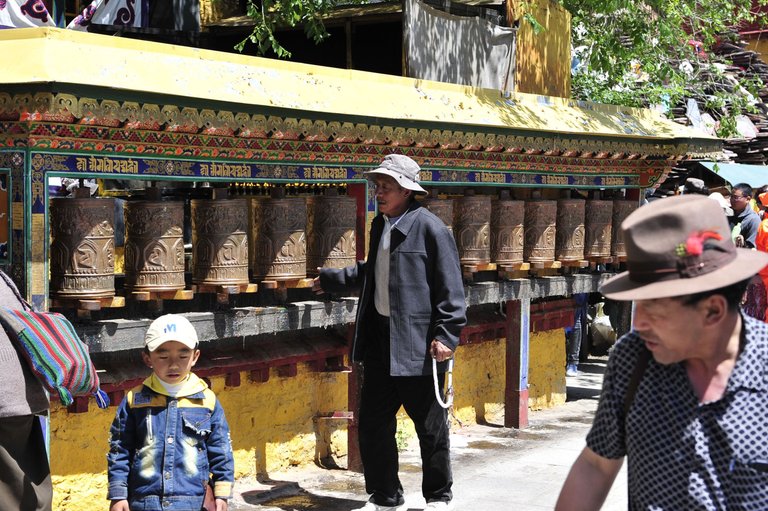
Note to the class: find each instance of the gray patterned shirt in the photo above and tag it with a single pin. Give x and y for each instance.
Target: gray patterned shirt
(683, 455)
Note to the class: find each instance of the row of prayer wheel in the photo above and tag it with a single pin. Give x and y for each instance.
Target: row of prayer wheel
(507, 232)
(284, 238)
(274, 238)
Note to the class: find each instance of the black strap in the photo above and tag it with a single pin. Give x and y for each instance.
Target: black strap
(637, 375)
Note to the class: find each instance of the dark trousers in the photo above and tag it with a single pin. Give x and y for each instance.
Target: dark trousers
(25, 477)
(382, 396)
(573, 340)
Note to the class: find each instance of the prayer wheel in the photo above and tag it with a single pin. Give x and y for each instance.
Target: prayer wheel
(278, 229)
(82, 247)
(254, 223)
(331, 231)
(219, 241)
(621, 210)
(540, 229)
(597, 225)
(569, 243)
(473, 228)
(442, 209)
(507, 228)
(154, 245)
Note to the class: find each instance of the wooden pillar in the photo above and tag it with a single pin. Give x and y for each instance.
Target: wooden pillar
(516, 387)
(354, 385)
(360, 192)
(348, 43)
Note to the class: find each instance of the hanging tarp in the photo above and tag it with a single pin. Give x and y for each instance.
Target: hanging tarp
(733, 173)
(457, 49)
(127, 13)
(24, 14)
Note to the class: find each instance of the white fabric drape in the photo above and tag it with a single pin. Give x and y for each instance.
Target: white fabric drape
(457, 49)
(128, 13)
(24, 14)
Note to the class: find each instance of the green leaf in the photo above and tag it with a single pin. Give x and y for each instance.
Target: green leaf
(270, 16)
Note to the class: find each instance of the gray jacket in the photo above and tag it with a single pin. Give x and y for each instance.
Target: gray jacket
(426, 291)
(750, 224)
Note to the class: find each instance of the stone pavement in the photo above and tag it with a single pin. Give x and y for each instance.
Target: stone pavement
(495, 468)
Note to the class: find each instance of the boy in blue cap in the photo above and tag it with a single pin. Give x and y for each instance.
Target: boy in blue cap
(170, 434)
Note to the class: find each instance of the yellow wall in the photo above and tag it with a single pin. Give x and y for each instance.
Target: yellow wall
(760, 46)
(544, 59)
(546, 372)
(479, 377)
(272, 423)
(212, 11)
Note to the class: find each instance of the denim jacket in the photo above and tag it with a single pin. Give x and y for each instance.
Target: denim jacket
(162, 449)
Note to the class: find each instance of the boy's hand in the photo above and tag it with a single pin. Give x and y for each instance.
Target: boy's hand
(122, 505)
(222, 504)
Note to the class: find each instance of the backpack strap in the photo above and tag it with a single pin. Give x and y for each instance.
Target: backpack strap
(637, 375)
(12, 285)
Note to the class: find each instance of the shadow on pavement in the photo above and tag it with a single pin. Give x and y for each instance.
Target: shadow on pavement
(306, 501)
(589, 382)
(309, 501)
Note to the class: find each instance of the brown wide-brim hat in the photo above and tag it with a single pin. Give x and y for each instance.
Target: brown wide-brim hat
(680, 246)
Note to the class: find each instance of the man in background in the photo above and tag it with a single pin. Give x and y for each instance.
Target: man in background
(744, 222)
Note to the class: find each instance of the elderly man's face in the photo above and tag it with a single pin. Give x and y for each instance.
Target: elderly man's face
(671, 330)
(391, 198)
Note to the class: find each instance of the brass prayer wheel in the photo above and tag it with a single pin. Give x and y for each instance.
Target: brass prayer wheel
(154, 245)
(473, 228)
(82, 247)
(569, 243)
(597, 224)
(278, 229)
(540, 229)
(507, 229)
(331, 231)
(219, 241)
(442, 209)
(621, 210)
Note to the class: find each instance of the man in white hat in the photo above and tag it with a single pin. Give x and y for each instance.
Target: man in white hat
(411, 310)
(685, 394)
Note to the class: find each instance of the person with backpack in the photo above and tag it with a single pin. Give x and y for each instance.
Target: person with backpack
(170, 434)
(685, 396)
(25, 476)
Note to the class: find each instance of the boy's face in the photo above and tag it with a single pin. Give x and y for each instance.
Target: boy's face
(171, 361)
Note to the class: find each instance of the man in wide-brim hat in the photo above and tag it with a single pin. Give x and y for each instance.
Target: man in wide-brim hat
(685, 394)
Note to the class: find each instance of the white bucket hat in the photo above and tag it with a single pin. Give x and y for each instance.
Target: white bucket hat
(403, 169)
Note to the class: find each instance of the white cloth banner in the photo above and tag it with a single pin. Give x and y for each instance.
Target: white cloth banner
(458, 49)
(128, 13)
(24, 14)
